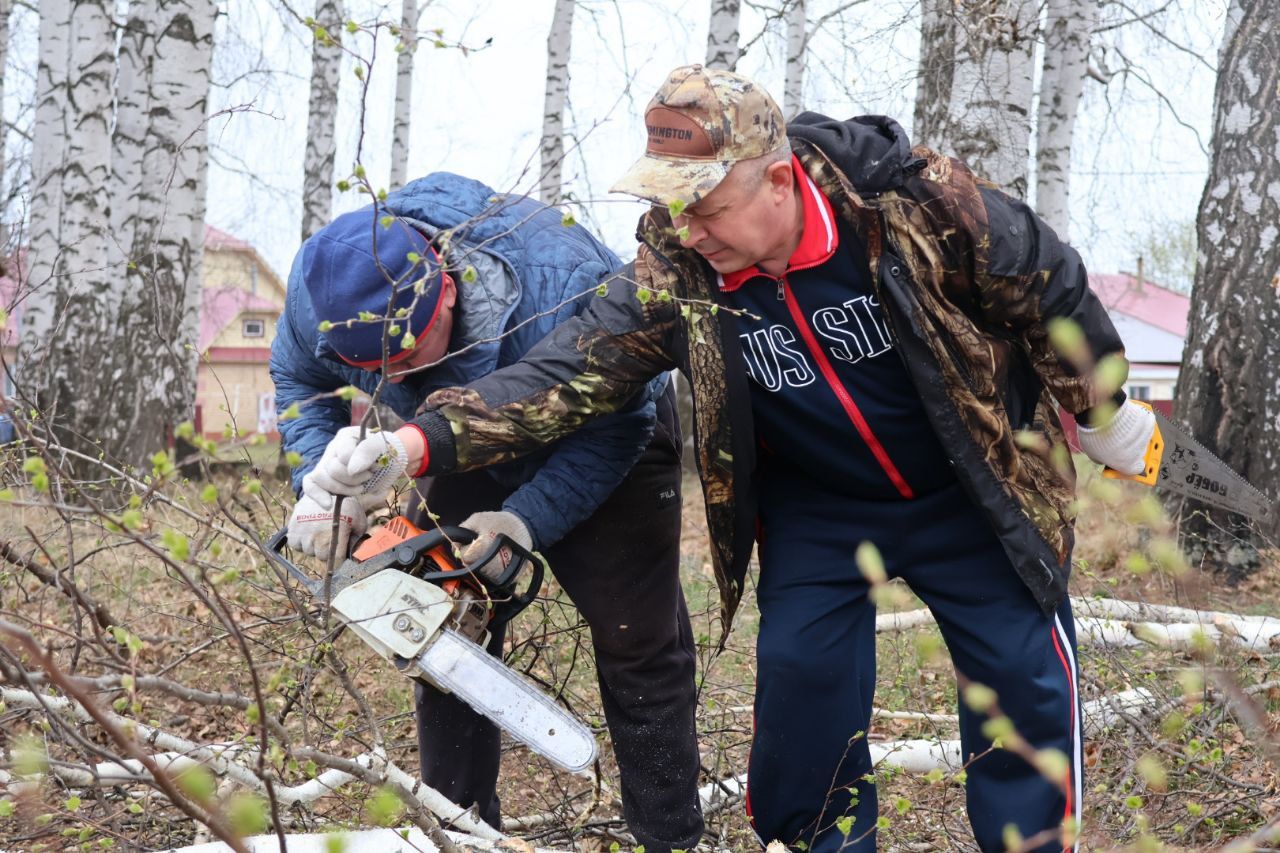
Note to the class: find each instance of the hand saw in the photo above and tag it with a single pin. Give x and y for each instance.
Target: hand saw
(407, 596)
(1177, 463)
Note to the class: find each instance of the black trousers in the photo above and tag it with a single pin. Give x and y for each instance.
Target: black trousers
(621, 569)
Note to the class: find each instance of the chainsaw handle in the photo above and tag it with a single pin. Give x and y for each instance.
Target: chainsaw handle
(515, 601)
(508, 600)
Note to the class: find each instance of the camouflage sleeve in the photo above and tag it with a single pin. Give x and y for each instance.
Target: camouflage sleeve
(589, 366)
(994, 259)
(1027, 278)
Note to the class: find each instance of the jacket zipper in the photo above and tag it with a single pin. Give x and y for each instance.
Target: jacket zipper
(842, 394)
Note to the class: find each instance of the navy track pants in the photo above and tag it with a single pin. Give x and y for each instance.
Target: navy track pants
(817, 666)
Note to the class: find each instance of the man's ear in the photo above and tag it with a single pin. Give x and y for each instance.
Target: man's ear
(448, 296)
(780, 177)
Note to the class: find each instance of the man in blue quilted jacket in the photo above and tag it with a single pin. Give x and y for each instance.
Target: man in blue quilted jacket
(441, 284)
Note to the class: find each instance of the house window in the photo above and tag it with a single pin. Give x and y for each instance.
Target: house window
(1139, 392)
(254, 328)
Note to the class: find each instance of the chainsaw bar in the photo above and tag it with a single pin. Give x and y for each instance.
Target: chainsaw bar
(1189, 469)
(458, 666)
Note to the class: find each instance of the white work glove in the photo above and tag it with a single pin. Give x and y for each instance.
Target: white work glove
(366, 469)
(312, 521)
(487, 526)
(1120, 443)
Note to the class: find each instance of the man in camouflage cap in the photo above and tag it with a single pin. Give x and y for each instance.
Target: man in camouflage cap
(869, 392)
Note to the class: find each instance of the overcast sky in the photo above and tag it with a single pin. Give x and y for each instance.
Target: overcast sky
(1139, 163)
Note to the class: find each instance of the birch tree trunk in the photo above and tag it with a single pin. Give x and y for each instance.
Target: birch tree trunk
(1229, 384)
(407, 48)
(1066, 57)
(160, 312)
(108, 343)
(797, 42)
(937, 66)
(559, 44)
(6, 7)
(66, 322)
(322, 117)
(991, 90)
(722, 34)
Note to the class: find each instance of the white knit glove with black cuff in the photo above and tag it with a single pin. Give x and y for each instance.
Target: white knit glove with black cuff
(1121, 442)
(487, 526)
(311, 524)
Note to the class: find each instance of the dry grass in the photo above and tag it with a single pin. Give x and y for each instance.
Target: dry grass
(1194, 780)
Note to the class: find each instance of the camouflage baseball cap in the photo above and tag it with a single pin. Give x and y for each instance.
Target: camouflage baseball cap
(700, 123)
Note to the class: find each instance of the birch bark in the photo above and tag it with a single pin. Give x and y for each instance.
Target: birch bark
(322, 117)
(1229, 385)
(407, 48)
(63, 325)
(991, 90)
(1066, 56)
(559, 45)
(937, 66)
(797, 42)
(722, 34)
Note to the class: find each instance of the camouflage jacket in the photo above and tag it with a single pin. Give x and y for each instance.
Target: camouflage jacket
(969, 279)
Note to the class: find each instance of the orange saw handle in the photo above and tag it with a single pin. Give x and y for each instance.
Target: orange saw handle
(1151, 458)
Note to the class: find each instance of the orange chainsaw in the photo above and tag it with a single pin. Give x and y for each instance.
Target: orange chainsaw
(405, 593)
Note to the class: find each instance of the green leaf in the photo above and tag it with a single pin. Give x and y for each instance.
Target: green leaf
(979, 697)
(353, 27)
(209, 494)
(325, 325)
(343, 186)
(6, 808)
(185, 430)
(348, 393)
(394, 330)
(176, 544)
(198, 783)
(293, 458)
(676, 208)
(33, 465)
(72, 803)
(359, 172)
(469, 275)
(870, 563)
(568, 221)
(135, 808)
(292, 413)
(247, 813)
(683, 233)
(1133, 802)
(367, 316)
(40, 482)
(408, 342)
(254, 487)
(358, 71)
(845, 825)
(335, 842)
(386, 221)
(602, 290)
(385, 807)
(643, 295)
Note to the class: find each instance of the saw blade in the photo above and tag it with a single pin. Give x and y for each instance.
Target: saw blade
(457, 665)
(1188, 468)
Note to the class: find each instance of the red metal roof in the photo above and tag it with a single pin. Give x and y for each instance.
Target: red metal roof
(1149, 302)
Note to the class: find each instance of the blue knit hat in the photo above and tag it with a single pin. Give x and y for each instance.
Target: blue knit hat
(346, 282)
